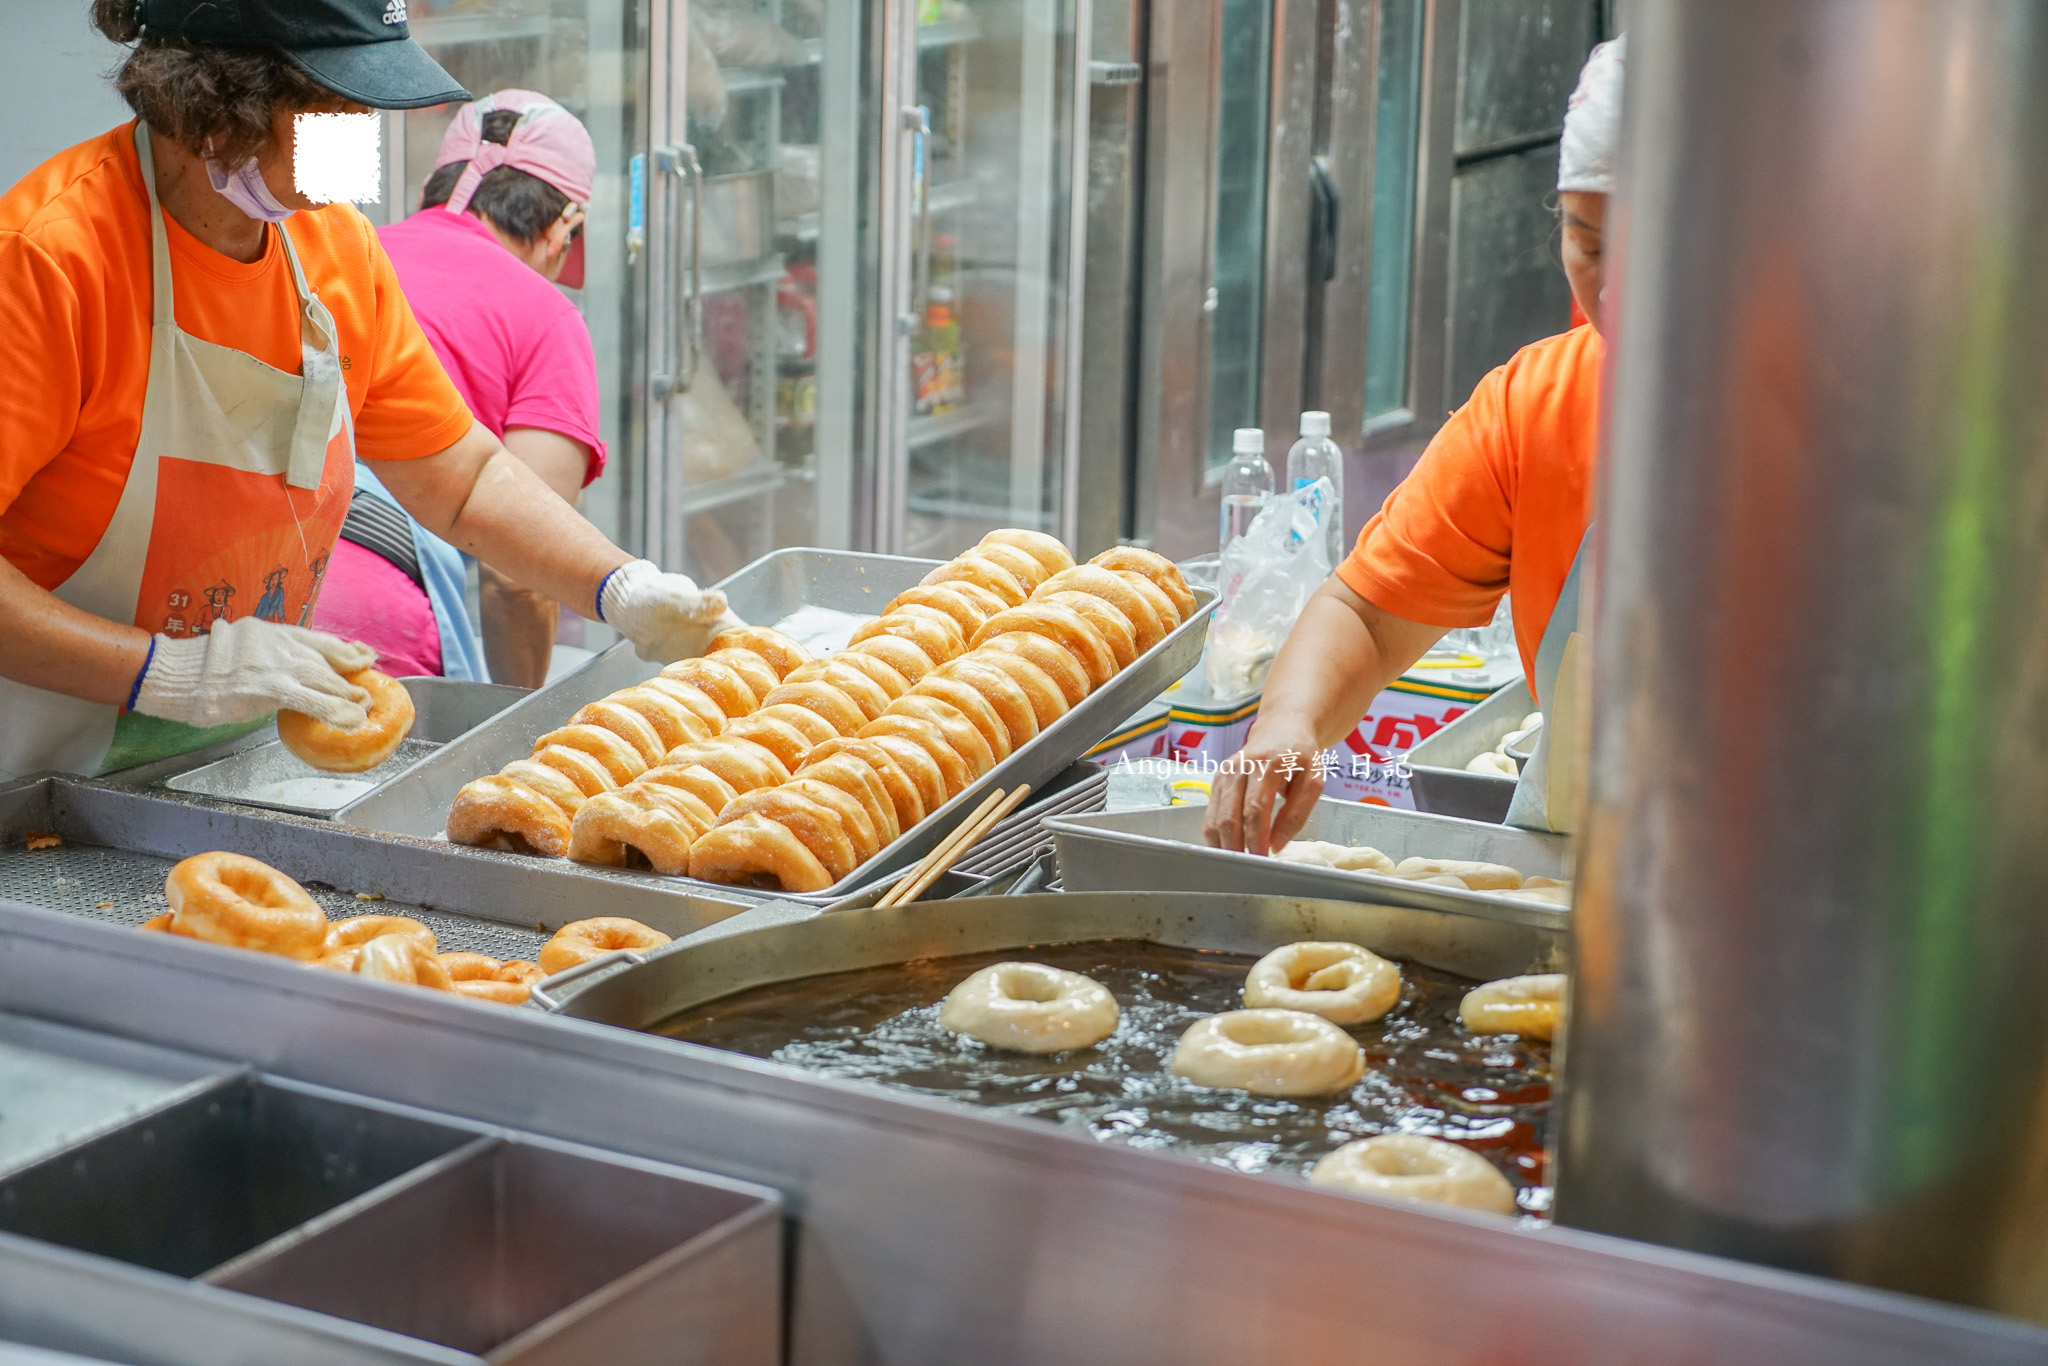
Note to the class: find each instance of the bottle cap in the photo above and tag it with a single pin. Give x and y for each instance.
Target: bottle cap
(1251, 439)
(1315, 424)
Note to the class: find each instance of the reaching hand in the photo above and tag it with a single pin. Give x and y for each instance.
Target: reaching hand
(666, 616)
(1263, 795)
(245, 670)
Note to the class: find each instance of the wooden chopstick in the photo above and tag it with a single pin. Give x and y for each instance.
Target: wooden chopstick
(939, 851)
(960, 847)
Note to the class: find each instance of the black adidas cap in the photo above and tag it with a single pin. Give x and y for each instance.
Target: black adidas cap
(359, 49)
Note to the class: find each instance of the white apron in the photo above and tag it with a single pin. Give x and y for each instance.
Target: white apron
(241, 478)
(1548, 793)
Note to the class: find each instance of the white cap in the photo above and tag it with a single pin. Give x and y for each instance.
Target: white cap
(1592, 123)
(1315, 424)
(1249, 439)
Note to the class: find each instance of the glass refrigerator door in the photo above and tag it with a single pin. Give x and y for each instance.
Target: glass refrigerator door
(981, 429)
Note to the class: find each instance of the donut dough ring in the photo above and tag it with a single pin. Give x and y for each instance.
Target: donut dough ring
(1030, 1008)
(966, 612)
(627, 724)
(231, 899)
(983, 573)
(497, 812)
(902, 655)
(993, 689)
(782, 653)
(963, 698)
(335, 750)
(1113, 626)
(635, 825)
(1480, 877)
(1065, 628)
(1269, 1053)
(1414, 1167)
(1530, 1006)
(1163, 573)
(1054, 659)
(818, 828)
(361, 929)
(961, 734)
(1148, 626)
(586, 939)
(620, 761)
(719, 682)
(1048, 550)
(1343, 983)
(1048, 701)
(905, 793)
(757, 673)
(695, 779)
(752, 851)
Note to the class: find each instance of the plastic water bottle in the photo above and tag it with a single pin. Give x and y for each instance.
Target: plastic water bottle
(1247, 483)
(1315, 457)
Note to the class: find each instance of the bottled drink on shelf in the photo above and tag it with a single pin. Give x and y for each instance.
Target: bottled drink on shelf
(1315, 457)
(1247, 483)
(935, 362)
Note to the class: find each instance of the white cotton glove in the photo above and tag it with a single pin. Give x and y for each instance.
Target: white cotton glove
(244, 670)
(666, 616)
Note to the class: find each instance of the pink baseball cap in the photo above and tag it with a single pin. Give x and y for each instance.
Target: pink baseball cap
(548, 142)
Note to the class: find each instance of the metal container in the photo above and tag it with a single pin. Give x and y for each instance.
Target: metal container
(1162, 850)
(59, 1086)
(1825, 492)
(1437, 777)
(269, 775)
(767, 591)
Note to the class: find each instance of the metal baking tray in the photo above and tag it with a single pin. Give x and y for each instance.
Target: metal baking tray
(1162, 850)
(766, 591)
(1436, 767)
(59, 1086)
(269, 775)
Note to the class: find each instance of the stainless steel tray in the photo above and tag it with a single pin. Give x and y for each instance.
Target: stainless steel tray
(1162, 851)
(58, 1086)
(1436, 767)
(271, 776)
(766, 591)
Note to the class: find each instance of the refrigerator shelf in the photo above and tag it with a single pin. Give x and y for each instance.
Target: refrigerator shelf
(763, 476)
(726, 277)
(741, 79)
(945, 33)
(930, 431)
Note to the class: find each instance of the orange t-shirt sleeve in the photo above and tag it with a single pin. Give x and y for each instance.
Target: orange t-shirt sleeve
(411, 408)
(1437, 551)
(42, 372)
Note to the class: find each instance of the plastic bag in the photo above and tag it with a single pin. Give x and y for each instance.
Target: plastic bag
(1267, 576)
(741, 37)
(718, 440)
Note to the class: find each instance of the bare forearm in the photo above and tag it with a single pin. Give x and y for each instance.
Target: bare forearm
(518, 629)
(49, 644)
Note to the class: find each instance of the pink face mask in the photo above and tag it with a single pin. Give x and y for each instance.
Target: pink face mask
(244, 188)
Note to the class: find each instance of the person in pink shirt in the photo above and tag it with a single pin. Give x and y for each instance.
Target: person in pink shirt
(500, 223)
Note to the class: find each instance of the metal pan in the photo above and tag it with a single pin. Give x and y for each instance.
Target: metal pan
(1162, 850)
(780, 942)
(1436, 767)
(766, 591)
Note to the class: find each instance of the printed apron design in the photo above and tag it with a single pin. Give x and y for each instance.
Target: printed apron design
(241, 478)
(1547, 794)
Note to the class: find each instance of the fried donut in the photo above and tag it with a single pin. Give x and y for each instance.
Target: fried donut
(717, 681)
(475, 975)
(1053, 658)
(755, 851)
(1269, 1053)
(962, 734)
(868, 694)
(1049, 551)
(695, 779)
(817, 827)
(625, 723)
(757, 673)
(782, 653)
(673, 723)
(232, 899)
(520, 971)
(1031, 1008)
(854, 776)
(1149, 625)
(1048, 703)
(397, 958)
(841, 711)
(932, 632)
(551, 783)
(963, 698)
(1109, 623)
(996, 690)
(638, 826)
(1161, 571)
(906, 795)
(586, 939)
(878, 671)
(586, 774)
(1343, 983)
(807, 723)
(904, 656)
(1529, 1006)
(1023, 566)
(1412, 1167)
(1480, 877)
(775, 735)
(943, 620)
(1162, 606)
(946, 597)
(334, 750)
(982, 571)
(1064, 627)
(361, 929)
(922, 771)
(852, 812)
(700, 703)
(497, 812)
(620, 760)
(741, 763)
(954, 774)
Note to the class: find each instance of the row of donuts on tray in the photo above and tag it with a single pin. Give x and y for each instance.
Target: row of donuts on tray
(758, 765)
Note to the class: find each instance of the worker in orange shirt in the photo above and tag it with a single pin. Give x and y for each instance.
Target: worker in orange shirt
(194, 355)
(1499, 502)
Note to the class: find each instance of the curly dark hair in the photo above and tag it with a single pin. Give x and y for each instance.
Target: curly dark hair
(199, 94)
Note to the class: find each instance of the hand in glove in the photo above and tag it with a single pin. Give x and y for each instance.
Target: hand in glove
(666, 616)
(245, 670)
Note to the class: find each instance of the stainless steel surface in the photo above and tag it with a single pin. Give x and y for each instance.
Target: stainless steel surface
(1845, 545)
(1438, 779)
(766, 591)
(58, 1085)
(1289, 202)
(929, 1234)
(530, 1252)
(1162, 850)
(118, 846)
